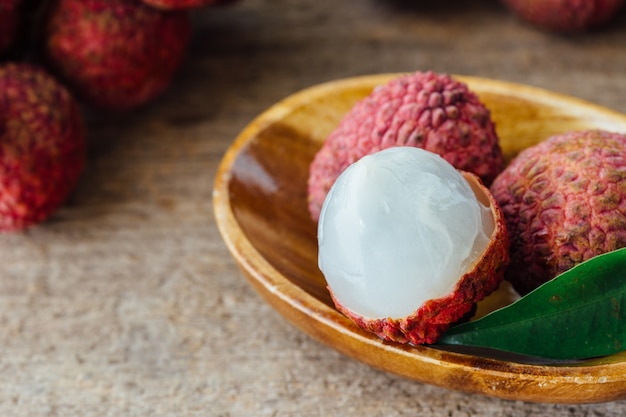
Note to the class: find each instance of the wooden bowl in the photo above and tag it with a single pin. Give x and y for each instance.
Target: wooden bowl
(260, 208)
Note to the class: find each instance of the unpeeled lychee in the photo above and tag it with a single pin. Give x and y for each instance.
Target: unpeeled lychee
(425, 110)
(408, 245)
(42, 145)
(564, 201)
(565, 15)
(9, 18)
(116, 54)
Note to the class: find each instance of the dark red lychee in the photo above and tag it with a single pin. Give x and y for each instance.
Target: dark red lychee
(42, 145)
(565, 15)
(116, 54)
(564, 201)
(425, 110)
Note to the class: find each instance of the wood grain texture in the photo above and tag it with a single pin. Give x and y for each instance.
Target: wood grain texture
(128, 303)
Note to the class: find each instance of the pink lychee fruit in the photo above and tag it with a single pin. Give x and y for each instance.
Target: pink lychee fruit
(9, 18)
(426, 110)
(185, 4)
(565, 15)
(408, 244)
(116, 54)
(42, 145)
(564, 201)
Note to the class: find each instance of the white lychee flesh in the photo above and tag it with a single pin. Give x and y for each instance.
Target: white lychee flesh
(398, 228)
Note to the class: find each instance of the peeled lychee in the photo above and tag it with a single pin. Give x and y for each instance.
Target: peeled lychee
(185, 4)
(565, 15)
(408, 244)
(116, 54)
(42, 145)
(564, 201)
(424, 110)
(9, 18)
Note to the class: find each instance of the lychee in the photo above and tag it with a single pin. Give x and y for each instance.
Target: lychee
(564, 201)
(42, 145)
(565, 15)
(408, 244)
(116, 54)
(426, 110)
(9, 18)
(185, 4)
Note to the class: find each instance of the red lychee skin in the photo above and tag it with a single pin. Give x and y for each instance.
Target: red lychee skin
(42, 145)
(9, 17)
(116, 54)
(425, 110)
(564, 201)
(185, 4)
(435, 316)
(565, 15)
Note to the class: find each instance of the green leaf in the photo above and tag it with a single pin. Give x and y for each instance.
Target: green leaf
(579, 314)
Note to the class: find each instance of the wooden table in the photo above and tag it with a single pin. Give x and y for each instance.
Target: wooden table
(127, 303)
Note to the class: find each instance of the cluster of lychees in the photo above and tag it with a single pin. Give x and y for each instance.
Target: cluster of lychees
(384, 218)
(110, 54)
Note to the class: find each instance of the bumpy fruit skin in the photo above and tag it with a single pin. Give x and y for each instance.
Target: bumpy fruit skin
(9, 17)
(185, 4)
(426, 110)
(564, 201)
(116, 54)
(42, 145)
(434, 317)
(565, 15)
